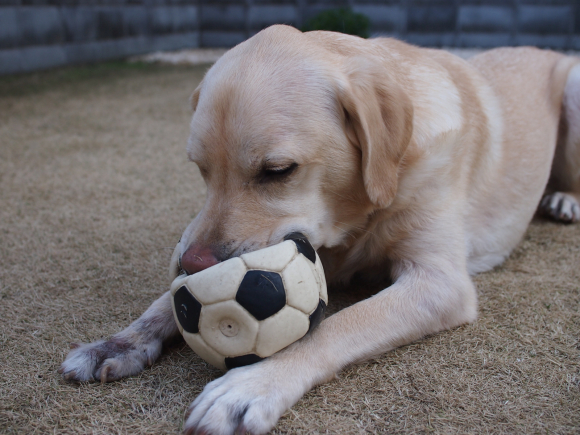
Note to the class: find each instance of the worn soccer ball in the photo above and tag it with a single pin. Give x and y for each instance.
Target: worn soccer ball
(247, 308)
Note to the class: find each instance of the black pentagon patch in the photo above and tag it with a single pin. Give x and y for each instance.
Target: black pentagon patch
(303, 245)
(317, 316)
(244, 360)
(188, 310)
(261, 293)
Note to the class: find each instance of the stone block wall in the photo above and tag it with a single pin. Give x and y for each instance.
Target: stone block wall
(36, 34)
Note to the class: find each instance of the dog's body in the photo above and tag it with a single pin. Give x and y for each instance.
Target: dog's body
(392, 160)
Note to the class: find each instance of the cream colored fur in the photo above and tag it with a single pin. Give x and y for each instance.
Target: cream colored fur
(411, 163)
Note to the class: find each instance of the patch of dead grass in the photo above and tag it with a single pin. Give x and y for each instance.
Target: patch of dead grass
(95, 190)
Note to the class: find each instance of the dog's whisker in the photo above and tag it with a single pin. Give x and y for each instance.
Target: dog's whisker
(339, 195)
(348, 233)
(356, 228)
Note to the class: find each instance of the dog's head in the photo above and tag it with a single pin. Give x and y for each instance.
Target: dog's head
(291, 138)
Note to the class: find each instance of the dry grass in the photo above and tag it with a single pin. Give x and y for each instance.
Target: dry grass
(95, 189)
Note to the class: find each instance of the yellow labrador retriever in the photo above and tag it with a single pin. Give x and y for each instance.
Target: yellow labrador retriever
(391, 159)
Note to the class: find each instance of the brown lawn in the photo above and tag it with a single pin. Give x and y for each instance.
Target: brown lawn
(95, 189)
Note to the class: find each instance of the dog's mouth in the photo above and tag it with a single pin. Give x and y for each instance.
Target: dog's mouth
(180, 270)
(304, 245)
(248, 246)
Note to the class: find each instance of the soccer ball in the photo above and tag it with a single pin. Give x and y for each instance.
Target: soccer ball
(247, 308)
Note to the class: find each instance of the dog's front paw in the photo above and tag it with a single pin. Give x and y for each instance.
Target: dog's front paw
(561, 206)
(245, 400)
(107, 360)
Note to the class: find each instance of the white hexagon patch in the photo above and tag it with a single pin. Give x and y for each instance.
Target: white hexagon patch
(273, 258)
(281, 330)
(228, 328)
(301, 285)
(217, 283)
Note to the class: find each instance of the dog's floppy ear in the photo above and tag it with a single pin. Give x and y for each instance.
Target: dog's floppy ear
(379, 120)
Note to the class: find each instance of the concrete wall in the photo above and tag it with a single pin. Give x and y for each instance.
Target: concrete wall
(36, 34)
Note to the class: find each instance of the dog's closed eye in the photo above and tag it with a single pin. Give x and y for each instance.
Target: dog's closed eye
(277, 173)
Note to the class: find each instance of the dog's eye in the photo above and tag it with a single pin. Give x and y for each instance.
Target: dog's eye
(278, 173)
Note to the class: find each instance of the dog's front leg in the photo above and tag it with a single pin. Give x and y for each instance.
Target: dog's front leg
(251, 399)
(125, 353)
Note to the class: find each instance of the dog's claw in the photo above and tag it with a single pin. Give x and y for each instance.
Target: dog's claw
(70, 375)
(104, 374)
(74, 345)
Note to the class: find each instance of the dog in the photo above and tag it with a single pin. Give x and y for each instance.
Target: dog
(393, 160)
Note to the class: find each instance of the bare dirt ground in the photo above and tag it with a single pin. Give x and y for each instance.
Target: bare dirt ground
(95, 189)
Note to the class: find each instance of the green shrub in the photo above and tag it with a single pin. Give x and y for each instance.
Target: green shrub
(340, 20)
